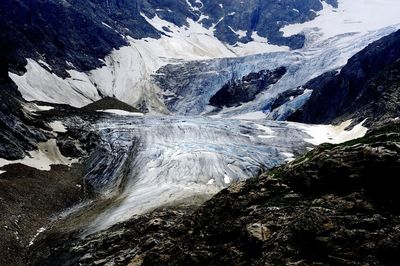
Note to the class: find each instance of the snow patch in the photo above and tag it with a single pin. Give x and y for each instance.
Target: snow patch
(121, 112)
(2, 172)
(334, 134)
(38, 232)
(33, 108)
(47, 154)
(44, 107)
(105, 24)
(259, 45)
(58, 126)
(45, 64)
(289, 156)
(239, 33)
(227, 179)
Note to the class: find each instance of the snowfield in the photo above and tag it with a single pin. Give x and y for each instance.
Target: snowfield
(361, 16)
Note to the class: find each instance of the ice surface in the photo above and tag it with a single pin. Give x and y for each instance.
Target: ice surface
(167, 159)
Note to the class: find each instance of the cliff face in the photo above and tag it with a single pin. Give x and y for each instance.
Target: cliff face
(336, 205)
(18, 132)
(368, 86)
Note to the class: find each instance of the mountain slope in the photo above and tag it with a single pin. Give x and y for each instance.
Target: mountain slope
(113, 48)
(368, 86)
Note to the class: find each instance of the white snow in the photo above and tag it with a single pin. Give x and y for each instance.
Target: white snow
(239, 33)
(121, 112)
(105, 24)
(259, 45)
(211, 181)
(38, 232)
(58, 126)
(39, 84)
(351, 16)
(289, 156)
(45, 64)
(194, 42)
(227, 179)
(334, 134)
(44, 107)
(33, 108)
(47, 154)
(2, 172)
(70, 64)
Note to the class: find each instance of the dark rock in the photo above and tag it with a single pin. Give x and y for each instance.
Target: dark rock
(18, 132)
(69, 148)
(245, 90)
(368, 86)
(108, 103)
(286, 96)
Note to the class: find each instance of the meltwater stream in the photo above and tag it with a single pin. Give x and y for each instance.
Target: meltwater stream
(152, 161)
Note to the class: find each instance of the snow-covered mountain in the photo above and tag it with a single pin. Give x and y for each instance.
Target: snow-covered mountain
(311, 37)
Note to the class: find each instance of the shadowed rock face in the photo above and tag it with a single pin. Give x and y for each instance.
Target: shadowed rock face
(18, 133)
(245, 90)
(368, 86)
(336, 205)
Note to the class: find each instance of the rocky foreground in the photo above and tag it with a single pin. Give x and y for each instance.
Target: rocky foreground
(337, 205)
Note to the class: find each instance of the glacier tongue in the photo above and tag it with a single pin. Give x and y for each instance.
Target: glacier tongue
(157, 160)
(148, 162)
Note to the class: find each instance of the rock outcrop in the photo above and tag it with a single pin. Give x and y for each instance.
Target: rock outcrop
(244, 90)
(368, 86)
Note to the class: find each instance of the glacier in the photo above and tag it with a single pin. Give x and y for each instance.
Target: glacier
(146, 162)
(184, 151)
